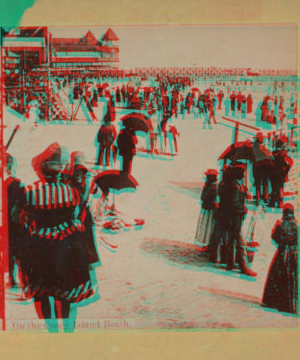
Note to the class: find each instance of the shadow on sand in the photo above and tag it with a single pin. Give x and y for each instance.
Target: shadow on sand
(175, 251)
(188, 256)
(191, 189)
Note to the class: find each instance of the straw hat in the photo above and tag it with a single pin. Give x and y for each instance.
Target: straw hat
(259, 136)
(238, 165)
(78, 162)
(51, 161)
(211, 172)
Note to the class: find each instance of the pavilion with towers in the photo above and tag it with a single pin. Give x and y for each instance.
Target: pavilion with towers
(87, 52)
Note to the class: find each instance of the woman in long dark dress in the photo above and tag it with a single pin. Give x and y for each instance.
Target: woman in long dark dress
(281, 289)
(52, 259)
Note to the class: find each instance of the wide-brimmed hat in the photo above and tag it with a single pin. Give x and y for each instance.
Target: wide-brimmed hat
(110, 114)
(238, 165)
(51, 161)
(78, 162)
(211, 172)
(259, 135)
(288, 209)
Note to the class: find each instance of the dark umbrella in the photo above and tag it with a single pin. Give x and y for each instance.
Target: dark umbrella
(137, 121)
(115, 179)
(248, 151)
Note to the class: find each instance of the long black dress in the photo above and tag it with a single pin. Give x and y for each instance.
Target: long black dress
(52, 259)
(281, 289)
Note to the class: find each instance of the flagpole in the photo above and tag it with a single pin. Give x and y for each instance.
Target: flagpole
(4, 243)
(49, 73)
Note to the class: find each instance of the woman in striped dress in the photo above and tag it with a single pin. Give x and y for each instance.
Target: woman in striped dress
(53, 260)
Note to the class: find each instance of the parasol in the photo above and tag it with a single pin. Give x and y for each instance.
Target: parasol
(248, 151)
(115, 179)
(137, 121)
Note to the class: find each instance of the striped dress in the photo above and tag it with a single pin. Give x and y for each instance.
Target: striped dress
(53, 259)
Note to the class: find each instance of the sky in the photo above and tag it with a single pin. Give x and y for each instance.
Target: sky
(256, 47)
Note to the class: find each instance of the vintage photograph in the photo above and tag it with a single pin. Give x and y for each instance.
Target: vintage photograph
(149, 178)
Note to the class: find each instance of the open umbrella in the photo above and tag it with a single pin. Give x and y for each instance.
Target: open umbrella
(248, 151)
(137, 121)
(115, 179)
(195, 89)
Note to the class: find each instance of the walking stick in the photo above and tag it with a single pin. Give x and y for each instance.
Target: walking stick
(113, 208)
(12, 136)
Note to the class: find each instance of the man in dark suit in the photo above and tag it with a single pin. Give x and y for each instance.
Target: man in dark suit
(106, 137)
(261, 168)
(234, 197)
(126, 142)
(281, 168)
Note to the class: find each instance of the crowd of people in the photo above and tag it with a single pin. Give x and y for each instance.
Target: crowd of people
(58, 205)
(179, 95)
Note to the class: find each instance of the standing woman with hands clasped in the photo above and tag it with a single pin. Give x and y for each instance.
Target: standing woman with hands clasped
(281, 289)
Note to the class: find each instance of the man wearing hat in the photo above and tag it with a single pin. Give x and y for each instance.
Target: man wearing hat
(106, 137)
(281, 168)
(218, 239)
(234, 196)
(261, 168)
(126, 142)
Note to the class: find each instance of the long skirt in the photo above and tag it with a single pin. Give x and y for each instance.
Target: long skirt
(204, 227)
(281, 289)
(57, 268)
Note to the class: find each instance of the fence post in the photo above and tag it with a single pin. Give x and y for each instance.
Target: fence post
(235, 133)
(291, 135)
